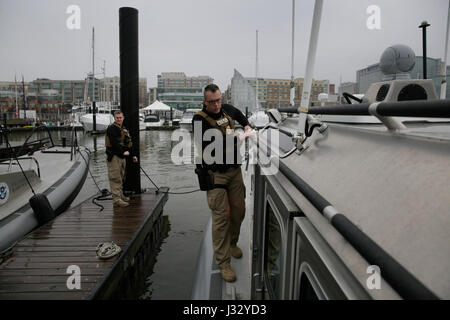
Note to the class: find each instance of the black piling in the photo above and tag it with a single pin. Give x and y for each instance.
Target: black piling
(94, 117)
(129, 90)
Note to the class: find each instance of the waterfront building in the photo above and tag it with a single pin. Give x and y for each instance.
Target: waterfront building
(243, 94)
(47, 104)
(272, 93)
(180, 91)
(180, 80)
(71, 91)
(152, 95)
(80, 91)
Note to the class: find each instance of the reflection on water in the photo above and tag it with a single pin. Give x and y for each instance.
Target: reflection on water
(172, 275)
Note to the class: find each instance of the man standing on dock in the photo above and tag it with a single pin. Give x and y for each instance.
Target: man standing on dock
(118, 147)
(226, 197)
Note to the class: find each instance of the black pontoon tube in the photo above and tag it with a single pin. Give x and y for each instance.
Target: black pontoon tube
(416, 108)
(395, 274)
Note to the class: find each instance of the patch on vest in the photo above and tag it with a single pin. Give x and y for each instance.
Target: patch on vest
(222, 121)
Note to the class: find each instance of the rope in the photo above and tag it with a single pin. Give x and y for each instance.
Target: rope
(92, 176)
(104, 193)
(186, 192)
(106, 250)
(5, 254)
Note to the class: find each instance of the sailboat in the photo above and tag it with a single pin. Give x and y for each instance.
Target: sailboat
(100, 112)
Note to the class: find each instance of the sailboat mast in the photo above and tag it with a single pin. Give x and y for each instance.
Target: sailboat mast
(444, 66)
(93, 76)
(256, 73)
(104, 80)
(292, 92)
(15, 91)
(24, 99)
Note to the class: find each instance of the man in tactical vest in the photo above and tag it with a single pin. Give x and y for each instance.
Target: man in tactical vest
(225, 190)
(118, 147)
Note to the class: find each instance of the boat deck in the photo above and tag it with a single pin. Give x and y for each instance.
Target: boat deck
(38, 265)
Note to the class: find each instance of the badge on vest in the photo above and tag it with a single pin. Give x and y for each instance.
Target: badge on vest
(222, 121)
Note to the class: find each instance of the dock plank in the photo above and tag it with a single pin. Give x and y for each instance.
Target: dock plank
(37, 268)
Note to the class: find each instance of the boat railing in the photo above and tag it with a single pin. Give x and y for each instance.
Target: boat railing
(38, 143)
(10, 162)
(384, 111)
(73, 143)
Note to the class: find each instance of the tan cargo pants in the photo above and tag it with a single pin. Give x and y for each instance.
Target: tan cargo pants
(116, 173)
(228, 210)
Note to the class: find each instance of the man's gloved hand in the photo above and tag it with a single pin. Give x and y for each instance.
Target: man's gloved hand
(248, 133)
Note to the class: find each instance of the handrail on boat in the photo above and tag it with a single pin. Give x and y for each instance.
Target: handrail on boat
(412, 108)
(22, 158)
(36, 142)
(73, 143)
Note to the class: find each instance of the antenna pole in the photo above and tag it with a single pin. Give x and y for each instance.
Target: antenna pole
(424, 26)
(256, 73)
(310, 65)
(444, 64)
(292, 92)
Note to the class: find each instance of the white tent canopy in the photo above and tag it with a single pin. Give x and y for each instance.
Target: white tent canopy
(157, 106)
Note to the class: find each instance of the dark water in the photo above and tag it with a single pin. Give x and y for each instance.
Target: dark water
(173, 272)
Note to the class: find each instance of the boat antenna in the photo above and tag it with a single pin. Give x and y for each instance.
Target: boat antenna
(444, 64)
(303, 110)
(292, 92)
(93, 74)
(256, 73)
(24, 100)
(15, 91)
(424, 25)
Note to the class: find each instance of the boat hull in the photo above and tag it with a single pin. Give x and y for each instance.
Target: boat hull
(60, 195)
(102, 122)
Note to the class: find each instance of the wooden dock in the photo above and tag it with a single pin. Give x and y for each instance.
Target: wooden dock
(38, 265)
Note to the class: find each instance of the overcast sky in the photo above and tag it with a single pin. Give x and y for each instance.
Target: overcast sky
(211, 37)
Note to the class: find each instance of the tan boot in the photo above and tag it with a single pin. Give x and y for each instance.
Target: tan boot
(120, 203)
(125, 198)
(236, 252)
(228, 274)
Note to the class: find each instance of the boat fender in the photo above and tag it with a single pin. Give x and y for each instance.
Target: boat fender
(42, 208)
(205, 179)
